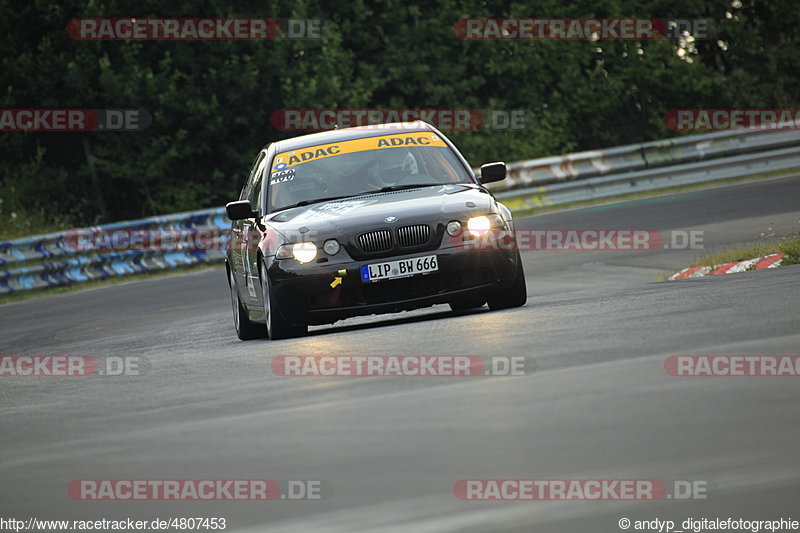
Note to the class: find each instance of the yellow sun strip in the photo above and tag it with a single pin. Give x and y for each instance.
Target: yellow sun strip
(320, 151)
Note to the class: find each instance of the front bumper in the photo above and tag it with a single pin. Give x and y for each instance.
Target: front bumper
(304, 294)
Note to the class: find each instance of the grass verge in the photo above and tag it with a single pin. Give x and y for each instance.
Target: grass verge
(788, 244)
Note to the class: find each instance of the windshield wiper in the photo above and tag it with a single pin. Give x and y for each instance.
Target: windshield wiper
(412, 186)
(309, 202)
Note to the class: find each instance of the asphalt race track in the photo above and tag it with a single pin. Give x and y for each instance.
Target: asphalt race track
(598, 405)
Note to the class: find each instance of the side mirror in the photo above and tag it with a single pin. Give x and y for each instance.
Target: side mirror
(240, 210)
(491, 172)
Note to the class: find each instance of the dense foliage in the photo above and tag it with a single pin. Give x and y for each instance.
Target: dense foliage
(211, 101)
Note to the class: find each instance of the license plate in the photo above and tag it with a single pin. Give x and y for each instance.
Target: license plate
(401, 268)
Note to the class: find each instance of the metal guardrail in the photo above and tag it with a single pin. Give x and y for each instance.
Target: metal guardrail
(58, 259)
(647, 180)
(623, 159)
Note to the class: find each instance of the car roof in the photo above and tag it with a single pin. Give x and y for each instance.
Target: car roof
(347, 134)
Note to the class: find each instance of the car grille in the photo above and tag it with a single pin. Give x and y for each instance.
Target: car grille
(416, 235)
(376, 241)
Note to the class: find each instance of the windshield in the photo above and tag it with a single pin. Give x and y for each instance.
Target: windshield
(361, 166)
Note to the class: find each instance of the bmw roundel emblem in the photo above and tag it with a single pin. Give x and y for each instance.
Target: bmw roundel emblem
(390, 219)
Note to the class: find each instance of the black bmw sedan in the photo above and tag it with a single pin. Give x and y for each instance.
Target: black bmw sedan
(364, 221)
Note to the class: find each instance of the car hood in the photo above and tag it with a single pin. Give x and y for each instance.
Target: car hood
(343, 218)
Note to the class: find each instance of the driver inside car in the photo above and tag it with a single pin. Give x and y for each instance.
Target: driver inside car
(393, 166)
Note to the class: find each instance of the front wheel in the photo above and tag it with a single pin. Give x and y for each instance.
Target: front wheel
(514, 296)
(277, 327)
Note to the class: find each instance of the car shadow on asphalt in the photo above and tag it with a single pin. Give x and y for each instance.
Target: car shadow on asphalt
(436, 318)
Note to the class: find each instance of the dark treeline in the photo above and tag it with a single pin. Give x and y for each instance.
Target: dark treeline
(211, 101)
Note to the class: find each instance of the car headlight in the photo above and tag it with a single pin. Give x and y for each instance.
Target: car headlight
(480, 225)
(331, 247)
(304, 252)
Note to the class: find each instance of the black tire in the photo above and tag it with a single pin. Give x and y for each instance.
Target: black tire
(514, 296)
(245, 329)
(277, 327)
(465, 305)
